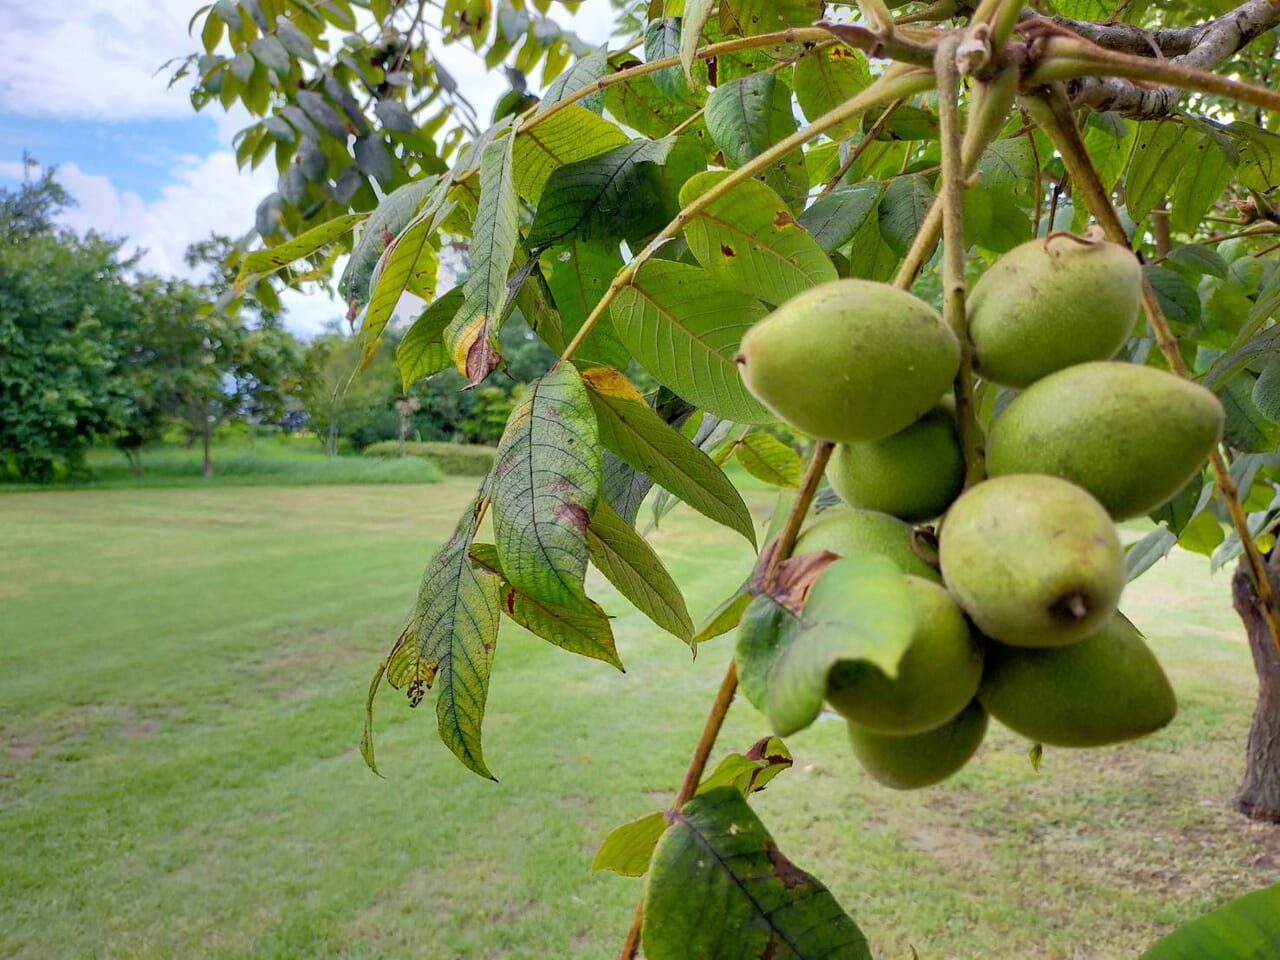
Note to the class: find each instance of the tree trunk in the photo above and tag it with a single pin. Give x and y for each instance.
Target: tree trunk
(208, 438)
(1259, 796)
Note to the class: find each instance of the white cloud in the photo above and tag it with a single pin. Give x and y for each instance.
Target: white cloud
(93, 58)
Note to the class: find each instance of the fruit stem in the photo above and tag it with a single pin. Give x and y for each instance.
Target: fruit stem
(892, 85)
(1052, 112)
(953, 246)
(729, 685)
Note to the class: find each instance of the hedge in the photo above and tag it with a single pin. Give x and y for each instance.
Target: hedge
(455, 459)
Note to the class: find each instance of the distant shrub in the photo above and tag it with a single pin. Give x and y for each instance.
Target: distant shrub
(455, 459)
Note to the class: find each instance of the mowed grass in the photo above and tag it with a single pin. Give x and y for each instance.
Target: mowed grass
(183, 676)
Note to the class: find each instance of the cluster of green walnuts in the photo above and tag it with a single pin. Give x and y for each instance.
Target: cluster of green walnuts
(1017, 614)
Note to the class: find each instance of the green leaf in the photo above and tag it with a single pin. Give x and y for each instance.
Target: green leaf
(750, 772)
(1200, 184)
(827, 77)
(383, 225)
(1266, 391)
(1202, 534)
(648, 444)
(1259, 166)
(749, 239)
(366, 738)
(1178, 298)
(1247, 928)
(422, 352)
(1246, 428)
(473, 335)
(696, 14)
(1109, 139)
(1257, 346)
(903, 210)
(724, 617)
(628, 848)
(720, 889)
(373, 159)
(1008, 168)
(632, 566)
(585, 632)
(765, 631)
(858, 609)
(767, 458)
(270, 52)
(587, 70)
(1160, 154)
(281, 255)
(570, 134)
(834, 219)
(1141, 556)
(448, 644)
(408, 262)
(577, 276)
(546, 486)
(754, 17)
(662, 40)
(685, 326)
(618, 194)
(1199, 259)
(640, 105)
(747, 116)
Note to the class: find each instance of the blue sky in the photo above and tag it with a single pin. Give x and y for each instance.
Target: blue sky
(79, 89)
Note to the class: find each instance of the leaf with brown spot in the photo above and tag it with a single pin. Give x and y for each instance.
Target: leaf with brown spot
(719, 889)
(772, 259)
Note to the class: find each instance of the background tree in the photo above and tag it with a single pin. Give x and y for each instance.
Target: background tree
(65, 312)
(646, 211)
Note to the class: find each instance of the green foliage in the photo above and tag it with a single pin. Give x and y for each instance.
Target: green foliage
(1244, 928)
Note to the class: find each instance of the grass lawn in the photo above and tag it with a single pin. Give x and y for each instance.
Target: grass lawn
(183, 675)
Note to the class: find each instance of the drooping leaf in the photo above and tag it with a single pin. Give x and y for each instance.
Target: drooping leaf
(617, 194)
(473, 335)
(1199, 259)
(1008, 168)
(1247, 928)
(720, 889)
(1160, 154)
(632, 566)
(1178, 299)
(1246, 428)
(858, 609)
(1141, 556)
(546, 486)
(647, 443)
(1202, 535)
(827, 77)
(639, 104)
(586, 632)
(903, 209)
(408, 261)
(628, 848)
(724, 617)
(685, 325)
(695, 16)
(422, 351)
(572, 133)
(662, 40)
(448, 643)
(1259, 152)
(383, 225)
(281, 255)
(754, 17)
(749, 239)
(767, 458)
(834, 219)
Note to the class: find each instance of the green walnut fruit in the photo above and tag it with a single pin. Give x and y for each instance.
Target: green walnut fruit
(921, 759)
(1052, 303)
(937, 676)
(850, 360)
(848, 532)
(1107, 688)
(914, 474)
(1130, 435)
(1033, 560)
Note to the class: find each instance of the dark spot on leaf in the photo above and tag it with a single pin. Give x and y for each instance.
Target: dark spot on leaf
(387, 237)
(783, 219)
(772, 951)
(792, 877)
(511, 602)
(553, 412)
(727, 250)
(482, 357)
(575, 514)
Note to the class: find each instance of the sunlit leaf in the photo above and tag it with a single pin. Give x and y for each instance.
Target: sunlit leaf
(571, 134)
(383, 225)
(1160, 154)
(1247, 928)
(422, 351)
(628, 848)
(827, 77)
(281, 255)
(767, 458)
(747, 116)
